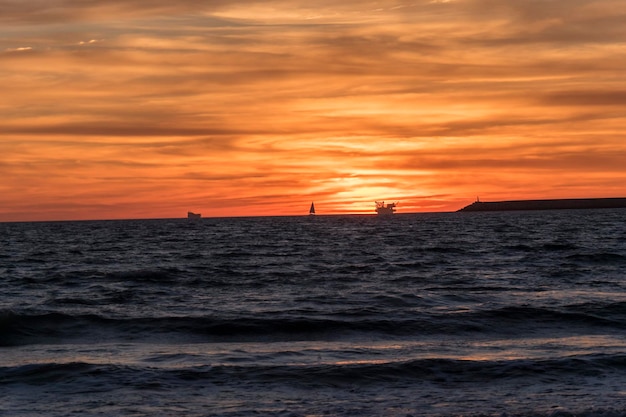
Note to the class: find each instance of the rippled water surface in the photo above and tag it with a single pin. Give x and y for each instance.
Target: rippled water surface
(448, 314)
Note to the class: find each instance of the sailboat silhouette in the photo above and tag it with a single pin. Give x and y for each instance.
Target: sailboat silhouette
(312, 209)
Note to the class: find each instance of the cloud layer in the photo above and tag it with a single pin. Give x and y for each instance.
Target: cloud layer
(150, 109)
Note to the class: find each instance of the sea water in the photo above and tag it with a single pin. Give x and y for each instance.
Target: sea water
(449, 314)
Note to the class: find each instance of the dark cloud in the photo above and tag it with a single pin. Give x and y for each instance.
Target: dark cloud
(120, 130)
(59, 11)
(575, 22)
(590, 98)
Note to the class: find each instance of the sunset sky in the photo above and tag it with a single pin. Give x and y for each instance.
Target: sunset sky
(148, 109)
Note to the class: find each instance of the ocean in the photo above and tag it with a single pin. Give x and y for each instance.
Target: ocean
(442, 314)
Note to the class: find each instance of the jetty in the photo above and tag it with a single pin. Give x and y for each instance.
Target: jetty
(558, 204)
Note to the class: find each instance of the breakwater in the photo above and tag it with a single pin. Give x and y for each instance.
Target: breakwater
(557, 204)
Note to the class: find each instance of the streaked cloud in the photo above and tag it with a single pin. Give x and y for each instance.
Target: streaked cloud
(244, 108)
(19, 49)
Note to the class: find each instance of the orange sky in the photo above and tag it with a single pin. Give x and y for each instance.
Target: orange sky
(148, 109)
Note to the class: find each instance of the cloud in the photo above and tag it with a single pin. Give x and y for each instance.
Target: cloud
(20, 49)
(589, 98)
(90, 42)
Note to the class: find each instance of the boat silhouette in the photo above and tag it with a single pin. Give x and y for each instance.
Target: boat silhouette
(191, 215)
(385, 209)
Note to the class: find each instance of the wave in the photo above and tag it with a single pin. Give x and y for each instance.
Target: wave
(429, 387)
(448, 372)
(308, 324)
(601, 258)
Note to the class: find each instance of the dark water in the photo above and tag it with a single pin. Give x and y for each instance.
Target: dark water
(421, 314)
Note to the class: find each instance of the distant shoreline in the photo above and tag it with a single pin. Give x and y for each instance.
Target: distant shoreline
(556, 204)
